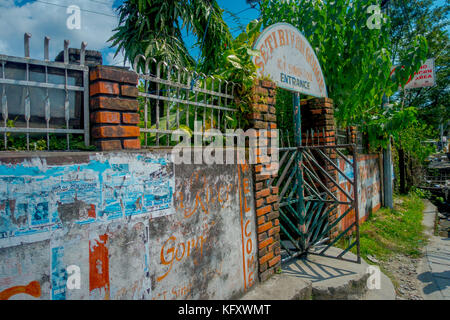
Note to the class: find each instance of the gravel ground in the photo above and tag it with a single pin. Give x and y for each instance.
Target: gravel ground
(404, 271)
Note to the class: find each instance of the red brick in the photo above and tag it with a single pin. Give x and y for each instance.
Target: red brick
(103, 87)
(255, 116)
(259, 202)
(258, 186)
(268, 84)
(265, 227)
(115, 132)
(270, 117)
(274, 261)
(263, 159)
(263, 210)
(263, 267)
(258, 168)
(273, 215)
(107, 145)
(274, 246)
(272, 199)
(262, 193)
(262, 236)
(260, 91)
(274, 230)
(265, 243)
(114, 104)
(262, 177)
(262, 252)
(260, 125)
(261, 220)
(129, 91)
(132, 144)
(130, 118)
(105, 117)
(266, 258)
(266, 275)
(260, 107)
(113, 74)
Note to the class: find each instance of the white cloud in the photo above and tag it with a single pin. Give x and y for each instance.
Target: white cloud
(43, 19)
(117, 61)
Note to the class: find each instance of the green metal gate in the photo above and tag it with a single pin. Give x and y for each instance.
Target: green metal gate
(311, 190)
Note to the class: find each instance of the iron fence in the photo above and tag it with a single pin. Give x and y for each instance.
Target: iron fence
(43, 97)
(174, 98)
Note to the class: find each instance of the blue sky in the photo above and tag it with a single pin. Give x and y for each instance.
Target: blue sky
(98, 19)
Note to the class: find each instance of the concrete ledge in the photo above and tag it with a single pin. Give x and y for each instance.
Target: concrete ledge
(332, 279)
(322, 278)
(280, 287)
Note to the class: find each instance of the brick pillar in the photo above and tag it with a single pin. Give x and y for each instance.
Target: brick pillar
(352, 132)
(318, 114)
(114, 108)
(266, 197)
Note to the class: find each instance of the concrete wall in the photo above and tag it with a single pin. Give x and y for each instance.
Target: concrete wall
(136, 225)
(369, 187)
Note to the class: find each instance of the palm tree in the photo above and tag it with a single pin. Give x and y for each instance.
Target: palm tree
(154, 28)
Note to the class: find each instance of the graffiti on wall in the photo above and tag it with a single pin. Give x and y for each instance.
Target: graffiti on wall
(131, 227)
(36, 199)
(202, 252)
(74, 214)
(369, 187)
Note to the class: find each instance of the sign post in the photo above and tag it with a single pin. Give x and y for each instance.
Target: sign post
(288, 59)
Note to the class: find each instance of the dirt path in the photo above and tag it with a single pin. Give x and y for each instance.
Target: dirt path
(427, 277)
(403, 271)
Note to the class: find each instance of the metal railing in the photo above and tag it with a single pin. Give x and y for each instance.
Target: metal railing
(173, 98)
(342, 136)
(42, 97)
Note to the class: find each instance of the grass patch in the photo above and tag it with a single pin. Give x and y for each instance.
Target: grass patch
(390, 231)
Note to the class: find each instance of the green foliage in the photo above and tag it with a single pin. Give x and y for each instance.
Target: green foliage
(411, 139)
(285, 117)
(18, 142)
(356, 60)
(237, 66)
(154, 28)
(423, 194)
(390, 122)
(394, 231)
(429, 18)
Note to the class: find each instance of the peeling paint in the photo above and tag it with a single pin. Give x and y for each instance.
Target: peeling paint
(135, 229)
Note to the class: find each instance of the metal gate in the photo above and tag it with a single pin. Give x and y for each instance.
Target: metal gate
(318, 198)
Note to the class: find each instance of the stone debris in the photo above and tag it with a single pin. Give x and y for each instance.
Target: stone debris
(404, 269)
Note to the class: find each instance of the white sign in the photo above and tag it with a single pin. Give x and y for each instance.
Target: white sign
(425, 77)
(287, 58)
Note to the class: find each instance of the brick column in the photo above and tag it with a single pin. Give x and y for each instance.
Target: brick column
(266, 197)
(318, 115)
(352, 134)
(114, 108)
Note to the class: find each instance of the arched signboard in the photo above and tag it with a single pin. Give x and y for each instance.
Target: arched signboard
(287, 58)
